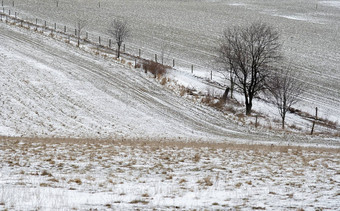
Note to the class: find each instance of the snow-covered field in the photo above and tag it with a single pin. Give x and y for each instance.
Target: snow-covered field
(130, 175)
(50, 89)
(189, 30)
(120, 108)
(55, 90)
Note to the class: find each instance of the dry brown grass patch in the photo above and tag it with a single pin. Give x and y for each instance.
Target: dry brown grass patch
(156, 69)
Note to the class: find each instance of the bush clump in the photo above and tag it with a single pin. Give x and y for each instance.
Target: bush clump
(155, 68)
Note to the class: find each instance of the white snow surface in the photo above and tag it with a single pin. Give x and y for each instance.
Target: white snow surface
(50, 89)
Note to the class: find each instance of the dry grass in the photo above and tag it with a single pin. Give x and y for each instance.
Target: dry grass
(164, 81)
(156, 69)
(168, 143)
(135, 171)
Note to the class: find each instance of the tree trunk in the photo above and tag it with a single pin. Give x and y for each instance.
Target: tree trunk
(225, 95)
(118, 51)
(231, 87)
(283, 122)
(248, 108)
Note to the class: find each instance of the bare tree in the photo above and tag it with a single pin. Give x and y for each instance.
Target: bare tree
(120, 32)
(285, 91)
(57, 2)
(248, 55)
(80, 25)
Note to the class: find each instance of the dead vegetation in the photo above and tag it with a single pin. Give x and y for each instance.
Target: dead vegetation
(135, 171)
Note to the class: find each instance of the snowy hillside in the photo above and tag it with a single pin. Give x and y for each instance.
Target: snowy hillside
(51, 89)
(188, 31)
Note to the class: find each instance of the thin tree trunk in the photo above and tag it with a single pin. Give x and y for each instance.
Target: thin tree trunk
(118, 51)
(231, 87)
(225, 95)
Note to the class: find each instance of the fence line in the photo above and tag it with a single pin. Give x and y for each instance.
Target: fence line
(64, 32)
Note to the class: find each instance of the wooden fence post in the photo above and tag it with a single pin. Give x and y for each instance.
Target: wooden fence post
(45, 24)
(99, 41)
(87, 36)
(55, 26)
(64, 29)
(15, 14)
(156, 58)
(211, 75)
(13, 3)
(139, 52)
(256, 121)
(109, 43)
(75, 32)
(192, 68)
(36, 21)
(2, 3)
(9, 12)
(124, 48)
(316, 118)
(173, 62)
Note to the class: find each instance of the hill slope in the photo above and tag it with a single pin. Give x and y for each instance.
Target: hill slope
(51, 89)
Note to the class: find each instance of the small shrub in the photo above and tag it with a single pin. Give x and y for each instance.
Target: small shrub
(163, 81)
(137, 66)
(207, 99)
(182, 92)
(155, 68)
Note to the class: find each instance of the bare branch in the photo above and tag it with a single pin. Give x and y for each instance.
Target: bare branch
(285, 91)
(248, 54)
(120, 32)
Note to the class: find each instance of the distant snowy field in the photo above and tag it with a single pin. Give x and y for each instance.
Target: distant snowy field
(84, 175)
(190, 30)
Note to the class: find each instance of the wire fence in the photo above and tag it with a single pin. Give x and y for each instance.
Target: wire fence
(103, 43)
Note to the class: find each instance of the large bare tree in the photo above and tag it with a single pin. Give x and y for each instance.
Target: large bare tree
(248, 54)
(120, 32)
(285, 91)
